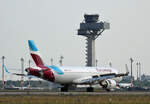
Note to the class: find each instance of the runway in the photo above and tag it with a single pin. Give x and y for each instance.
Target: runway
(71, 93)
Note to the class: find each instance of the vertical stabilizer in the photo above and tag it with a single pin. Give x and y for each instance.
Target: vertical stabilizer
(35, 53)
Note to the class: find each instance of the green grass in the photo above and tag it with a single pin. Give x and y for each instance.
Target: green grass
(82, 99)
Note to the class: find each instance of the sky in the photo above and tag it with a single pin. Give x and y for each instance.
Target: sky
(53, 25)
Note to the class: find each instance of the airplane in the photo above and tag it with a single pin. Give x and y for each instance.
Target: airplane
(68, 76)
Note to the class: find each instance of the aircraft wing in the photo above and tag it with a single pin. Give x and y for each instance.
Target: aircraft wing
(98, 78)
(124, 74)
(95, 79)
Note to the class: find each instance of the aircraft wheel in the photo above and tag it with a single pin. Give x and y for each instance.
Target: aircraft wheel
(108, 90)
(90, 89)
(64, 89)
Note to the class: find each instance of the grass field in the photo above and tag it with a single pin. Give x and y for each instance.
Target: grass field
(82, 99)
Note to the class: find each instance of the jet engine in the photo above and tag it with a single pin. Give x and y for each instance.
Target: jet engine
(108, 84)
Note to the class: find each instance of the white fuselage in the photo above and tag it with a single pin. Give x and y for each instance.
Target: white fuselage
(73, 73)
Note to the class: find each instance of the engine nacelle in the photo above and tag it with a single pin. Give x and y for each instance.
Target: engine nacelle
(108, 84)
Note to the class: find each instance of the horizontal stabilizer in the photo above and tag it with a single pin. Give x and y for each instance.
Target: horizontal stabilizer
(5, 68)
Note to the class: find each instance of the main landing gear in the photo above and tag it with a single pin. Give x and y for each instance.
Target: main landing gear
(64, 88)
(90, 89)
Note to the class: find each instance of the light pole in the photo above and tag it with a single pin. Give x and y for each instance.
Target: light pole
(29, 63)
(110, 64)
(137, 70)
(29, 77)
(3, 58)
(131, 60)
(51, 61)
(140, 71)
(22, 72)
(96, 62)
(60, 61)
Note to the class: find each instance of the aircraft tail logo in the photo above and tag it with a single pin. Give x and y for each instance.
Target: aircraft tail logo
(35, 53)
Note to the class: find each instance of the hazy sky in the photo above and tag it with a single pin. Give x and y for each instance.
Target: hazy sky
(53, 25)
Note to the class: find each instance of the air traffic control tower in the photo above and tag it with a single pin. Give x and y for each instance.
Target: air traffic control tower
(91, 28)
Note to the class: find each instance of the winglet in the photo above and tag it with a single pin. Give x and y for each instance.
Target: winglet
(32, 45)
